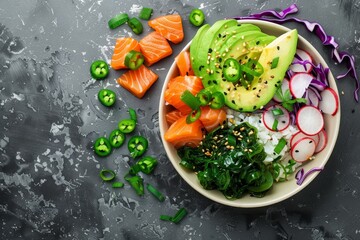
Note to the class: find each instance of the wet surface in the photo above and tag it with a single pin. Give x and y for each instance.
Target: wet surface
(50, 116)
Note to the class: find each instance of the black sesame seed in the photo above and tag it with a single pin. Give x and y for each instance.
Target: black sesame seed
(215, 82)
(278, 47)
(233, 101)
(254, 107)
(257, 43)
(297, 151)
(210, 50)
(220, 59)
(201, 67)
(219, 35)
(254, 88)
(225, 93)
(209, 82)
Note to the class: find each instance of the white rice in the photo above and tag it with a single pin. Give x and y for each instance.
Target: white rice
(266, 137)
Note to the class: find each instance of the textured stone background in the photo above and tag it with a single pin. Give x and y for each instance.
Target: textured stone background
(49, 118)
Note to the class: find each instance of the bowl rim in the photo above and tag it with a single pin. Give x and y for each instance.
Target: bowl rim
(237, 203)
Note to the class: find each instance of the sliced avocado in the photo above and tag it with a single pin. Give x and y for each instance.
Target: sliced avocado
(257, 46)
(199, 51)
(263, 88)
(198, 37)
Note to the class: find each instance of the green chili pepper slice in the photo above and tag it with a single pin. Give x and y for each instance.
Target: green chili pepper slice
(147, 164)
(127, 125)
(99, 69)
(137, 146)
(107, 175)
(102, 147)
(193, 116)
(118, 20)
(137, 183)
(133, 114)
(197, 17)
(145, 13)
(217, 100)
(106, 97)
(117, 138)
(232, 70)
(204, 97)
(134, 60)
(135, 25)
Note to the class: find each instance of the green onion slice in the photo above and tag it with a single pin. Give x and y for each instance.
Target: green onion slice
(107, 175)
(118, 20)
(274, 62)
(137, 183)
(280, 146)
(277, 111)
(145, 13)
(177, 218)
(189, 99)
(135, 25)
(275, 125)
(155, 192)
(132, 114)
(118, 185)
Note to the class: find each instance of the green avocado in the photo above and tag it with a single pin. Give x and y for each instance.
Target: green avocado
(263, 88)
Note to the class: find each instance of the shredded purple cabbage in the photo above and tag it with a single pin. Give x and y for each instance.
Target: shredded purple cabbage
(337, 55)
(301, 175)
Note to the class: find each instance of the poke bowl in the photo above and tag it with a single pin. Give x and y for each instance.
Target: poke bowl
(308, 141)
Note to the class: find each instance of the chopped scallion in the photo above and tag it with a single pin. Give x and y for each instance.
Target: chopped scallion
(274, 62)
(137, 183)
(275, 125)
(145, 13)
(155, 192)
(277, 112)
(133, 115)
(280, 146)
(189, 99)
(177, 218)
(118, 185)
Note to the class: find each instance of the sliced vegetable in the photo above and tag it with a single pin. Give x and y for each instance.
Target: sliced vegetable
(274, 62)
(117, 138)
(137, 183)
(277, 111)
(196, 17)
(189, 99)
(299, 83)
(283, 92)
(280, 146)
(127, 125)
(139, 81)
(232, 70)
(135, 25)
(145, 13)
(303, 149)
(118, 185)
(204, 97)
(301, 176)
(107, 97)
(118, 20)
(322, 141)
(310, 120)
(122, 47)
(217, 100)
(329, 103)
(155, 192)
(303, 66)
(134, 59)
(137, 146)
(180, 214)
(107, 175)
(193, 116)
(99, 69)
(146, 165)
(102, 147)
(276, 122)
(133, 114)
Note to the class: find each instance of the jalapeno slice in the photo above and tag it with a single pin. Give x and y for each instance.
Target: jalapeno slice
(118, 20)
(204, 97)
(147, 164)
(137, 146)
(217, 100)
(102, 147)
(193, 116)
(134, 60)
(106, 97)
(196, 17)
(117, 138)
(127, 125)
(99, 69)
(232, 70)
(135, 25)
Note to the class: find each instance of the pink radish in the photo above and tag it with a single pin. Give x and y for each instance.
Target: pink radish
(299, 83)
(281, 91)
(303, 149)
(310, 120)
(312, 98)
(302, 56)
(322, 141)
(329, 103)
(269, 118)
(299, 135)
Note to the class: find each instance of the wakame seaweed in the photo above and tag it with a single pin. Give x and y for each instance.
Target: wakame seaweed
(230, 159)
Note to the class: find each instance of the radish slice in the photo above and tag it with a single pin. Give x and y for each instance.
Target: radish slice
(312, 98)
(299, 135)
(322, 141)
(299, 83)
(284, 87)
(329, 103)
(269, 118)
(310, 120)
(301, 55)
(303, 149)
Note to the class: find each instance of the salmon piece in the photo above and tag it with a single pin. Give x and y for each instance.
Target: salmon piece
(173, 116)
(212, 118)
(169, 26)
(182, 134)
(176, 88)
(122, 47)
(154, 47)
(184, 64)
(138, 81)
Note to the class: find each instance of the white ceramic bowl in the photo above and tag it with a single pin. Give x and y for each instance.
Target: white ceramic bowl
(279, 191)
